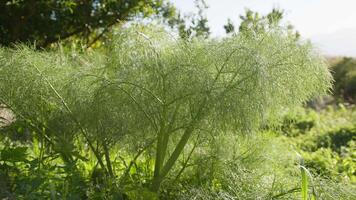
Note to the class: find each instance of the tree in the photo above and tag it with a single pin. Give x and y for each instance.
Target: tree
(344, 73)
(43, 22)
(150, 92)
(229, 27)
(194, 25)
(253, 22)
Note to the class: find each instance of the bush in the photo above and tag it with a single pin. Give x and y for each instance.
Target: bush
(131, 110)
(344, 73)
(337, 140)
(328, 146)
(298, 122)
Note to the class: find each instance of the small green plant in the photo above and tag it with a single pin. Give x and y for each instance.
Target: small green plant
(306, 177)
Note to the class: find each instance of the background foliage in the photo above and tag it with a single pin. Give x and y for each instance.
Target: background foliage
(45, 22)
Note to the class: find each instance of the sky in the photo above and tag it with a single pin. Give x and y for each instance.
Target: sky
(329, 24)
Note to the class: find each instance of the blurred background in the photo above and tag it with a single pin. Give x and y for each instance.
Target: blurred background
(329, 24)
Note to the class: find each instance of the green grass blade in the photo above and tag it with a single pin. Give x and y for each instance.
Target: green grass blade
(304, 187)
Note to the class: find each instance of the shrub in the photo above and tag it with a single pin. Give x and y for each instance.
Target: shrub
(298, 122)
(149, 93)
(327, 147)
(344, 73)
(336, 140)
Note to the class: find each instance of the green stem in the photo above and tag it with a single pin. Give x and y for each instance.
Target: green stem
(159, 160)
(107, 159)
(161, 173)
(162, 140)
(157, 180)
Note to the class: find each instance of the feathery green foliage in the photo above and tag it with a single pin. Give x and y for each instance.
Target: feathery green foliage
(151, 93)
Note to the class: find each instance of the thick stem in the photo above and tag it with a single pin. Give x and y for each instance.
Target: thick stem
(159, 159)
(161, 173)
(173, 158)
(162, 141)
(157, 180)
(107, 159)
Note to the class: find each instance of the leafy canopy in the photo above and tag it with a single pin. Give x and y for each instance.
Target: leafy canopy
(47, 21)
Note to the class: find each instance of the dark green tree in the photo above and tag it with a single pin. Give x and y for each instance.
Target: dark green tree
(344, 73)
(229, 27)
(44, 22)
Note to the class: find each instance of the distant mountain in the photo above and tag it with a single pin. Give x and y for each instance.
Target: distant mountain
(338, 43)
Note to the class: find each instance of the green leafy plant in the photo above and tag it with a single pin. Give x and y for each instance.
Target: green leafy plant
(326, 147)
(306, 177)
